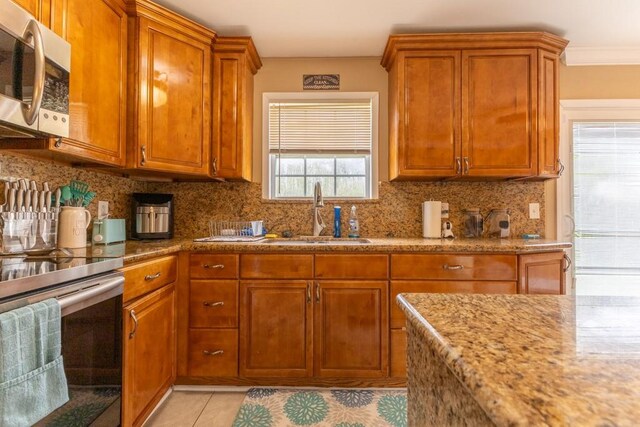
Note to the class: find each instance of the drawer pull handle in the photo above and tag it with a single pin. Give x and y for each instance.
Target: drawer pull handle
(149, 277)
(453, 267)
(213, 304)
(208, 266)
(212, 353)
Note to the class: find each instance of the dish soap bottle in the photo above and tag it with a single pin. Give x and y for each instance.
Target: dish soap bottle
(354, 228)
(336, 222)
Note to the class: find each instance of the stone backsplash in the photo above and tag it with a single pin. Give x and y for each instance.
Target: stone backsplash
(397, 212)
(114, 189)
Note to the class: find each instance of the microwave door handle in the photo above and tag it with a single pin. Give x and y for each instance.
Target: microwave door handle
(31, 111)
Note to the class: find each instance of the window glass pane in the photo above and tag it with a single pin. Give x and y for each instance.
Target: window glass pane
(353, 186)
(289, 187)
(327, 183)
(351, 166)
(320, 166)
(290, 166)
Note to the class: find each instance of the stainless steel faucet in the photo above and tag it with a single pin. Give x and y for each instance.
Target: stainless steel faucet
(318, 202)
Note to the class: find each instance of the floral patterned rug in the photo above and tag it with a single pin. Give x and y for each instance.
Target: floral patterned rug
(84, 406)
(265, 407)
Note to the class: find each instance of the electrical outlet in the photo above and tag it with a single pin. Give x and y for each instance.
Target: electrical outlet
(445, 210)
(534, 210)
(103, 209)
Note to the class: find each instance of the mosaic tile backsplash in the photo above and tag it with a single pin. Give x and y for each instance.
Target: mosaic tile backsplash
(397, 212)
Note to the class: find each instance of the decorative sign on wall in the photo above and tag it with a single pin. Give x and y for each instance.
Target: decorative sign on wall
(321, 82)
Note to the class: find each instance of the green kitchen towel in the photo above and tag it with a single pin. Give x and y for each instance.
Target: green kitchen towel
(32, 380)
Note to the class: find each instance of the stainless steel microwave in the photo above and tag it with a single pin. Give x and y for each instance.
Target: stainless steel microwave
(34, 76)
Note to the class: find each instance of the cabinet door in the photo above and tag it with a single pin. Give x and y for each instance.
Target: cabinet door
(172, 132)
(97, 32)
(542, 273)
(37, 8)
(429, 116)
(149, 353)
(499, 112)
(548, 115)
(275, 329)
(351, 329)
(233, 119)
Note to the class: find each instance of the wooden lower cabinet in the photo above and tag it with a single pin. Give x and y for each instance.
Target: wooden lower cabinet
(213, 353)
(398, 353)
(276, 329)
(149, 353)
(542, 273)
(351, 328)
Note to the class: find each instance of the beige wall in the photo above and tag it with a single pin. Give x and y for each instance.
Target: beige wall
(356, 75)
(591, 82)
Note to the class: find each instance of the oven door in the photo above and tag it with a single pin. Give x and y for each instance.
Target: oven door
(34, 76)
(92, 352)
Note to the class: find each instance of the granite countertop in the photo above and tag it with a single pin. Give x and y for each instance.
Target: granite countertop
(538, 360)
(133, 250)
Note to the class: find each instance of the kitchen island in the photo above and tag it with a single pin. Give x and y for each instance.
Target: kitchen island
(522, 360)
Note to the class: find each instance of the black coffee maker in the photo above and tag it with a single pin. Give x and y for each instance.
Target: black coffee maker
(152, 216)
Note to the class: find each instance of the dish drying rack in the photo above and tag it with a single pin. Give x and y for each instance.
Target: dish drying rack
(234, 231)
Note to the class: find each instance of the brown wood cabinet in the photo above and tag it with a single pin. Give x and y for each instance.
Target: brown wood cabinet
(38, 8)
(473, 106)
(276, 325)
(169, 92)
(149, 353)
(97, 32)
(351, 329)
(542, 273)
(235, 62)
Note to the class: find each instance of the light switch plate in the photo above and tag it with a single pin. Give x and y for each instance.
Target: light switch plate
(534, 210)
(103, 209)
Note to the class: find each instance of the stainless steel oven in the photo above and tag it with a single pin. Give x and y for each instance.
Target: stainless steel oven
(89, 292)
(34, 76)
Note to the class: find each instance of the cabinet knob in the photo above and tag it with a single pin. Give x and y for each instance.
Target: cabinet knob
(568, 263)
(453, 267)
(213, 304)
(212, 353)
(58, 143)
(560, 168)
(214, 166)
(466, 166)
(458, 166)
(133, 316)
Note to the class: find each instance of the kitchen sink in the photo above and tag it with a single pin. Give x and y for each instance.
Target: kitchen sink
(315, 241)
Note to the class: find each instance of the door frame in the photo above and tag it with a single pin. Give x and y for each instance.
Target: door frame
(581, 110)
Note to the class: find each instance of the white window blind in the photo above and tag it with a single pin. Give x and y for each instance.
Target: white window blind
(607, 197)
(315, 127)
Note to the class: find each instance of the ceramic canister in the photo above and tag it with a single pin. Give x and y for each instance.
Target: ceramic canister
(72, 227)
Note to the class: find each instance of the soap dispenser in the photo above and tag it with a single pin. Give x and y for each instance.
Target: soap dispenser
(354, 227)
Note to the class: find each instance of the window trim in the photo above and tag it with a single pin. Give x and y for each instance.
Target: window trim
(269, 97)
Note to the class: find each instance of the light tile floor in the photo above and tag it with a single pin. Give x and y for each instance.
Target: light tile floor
(197, 409)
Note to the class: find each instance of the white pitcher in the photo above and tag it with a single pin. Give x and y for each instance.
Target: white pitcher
(72, 227)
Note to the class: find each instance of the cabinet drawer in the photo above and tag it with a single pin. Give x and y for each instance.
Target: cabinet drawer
(213, 266)
(144, 277)
(454, 267)
(443, 287)
(213, 353)
(213, 304)
(352, 266)
(398, 362)
(280, 266)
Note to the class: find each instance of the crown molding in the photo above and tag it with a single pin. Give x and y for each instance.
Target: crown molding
(578, 56)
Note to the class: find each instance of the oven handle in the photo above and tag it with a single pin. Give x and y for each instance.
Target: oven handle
(87, 297)
(31, 111)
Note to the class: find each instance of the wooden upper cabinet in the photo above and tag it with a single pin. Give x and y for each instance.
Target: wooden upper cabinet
(499, 94)
(169, 92)
(473, 106)
(428, 114)
(235, 62)
(97, 32)
(38, 8)
(549, 163)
